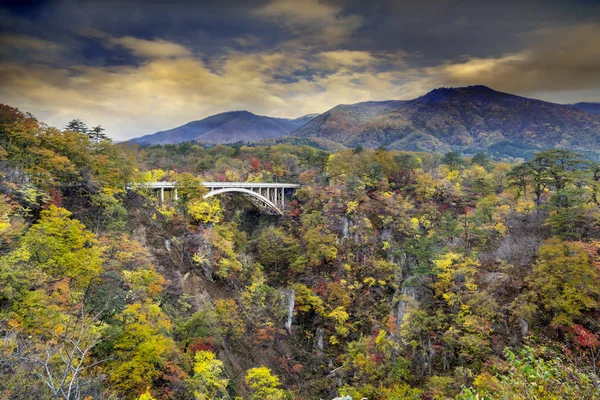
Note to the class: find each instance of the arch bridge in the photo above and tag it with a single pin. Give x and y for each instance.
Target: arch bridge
(269, 198)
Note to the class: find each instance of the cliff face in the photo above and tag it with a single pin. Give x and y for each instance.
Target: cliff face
(190, 284)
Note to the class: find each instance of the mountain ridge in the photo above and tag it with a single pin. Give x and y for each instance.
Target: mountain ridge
(227, 127)
(457, 118)
(589, 106)
(447, 118)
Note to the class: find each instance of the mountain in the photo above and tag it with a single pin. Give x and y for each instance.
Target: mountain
(303, 120)
(228, 127)
(336, 123)
(593, 108)
(474, 117)
(469, 118)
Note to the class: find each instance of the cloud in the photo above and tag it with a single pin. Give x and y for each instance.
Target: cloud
(311, 19)
(246, 41)
(156, 48)
(173, 85)
(25, 42)
(163, 92)
(355, 59)
(560, 59)
(29, 48)
(345, 58)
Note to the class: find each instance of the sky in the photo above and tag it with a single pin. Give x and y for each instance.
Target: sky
(137, 67)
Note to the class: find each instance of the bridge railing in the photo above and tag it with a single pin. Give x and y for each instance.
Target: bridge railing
(169, 185)
(273, 195)
(251, 185)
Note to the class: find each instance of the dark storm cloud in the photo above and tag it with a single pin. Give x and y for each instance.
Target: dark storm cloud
(140, 66)
(202, 24)
(442, 30)
(437, 29)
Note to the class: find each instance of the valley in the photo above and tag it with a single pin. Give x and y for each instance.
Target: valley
(383, 274)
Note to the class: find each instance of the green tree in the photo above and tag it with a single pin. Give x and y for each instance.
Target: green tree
(481, 159)
(560, 165)
(77, 125)
(534, 173)
(532, 374)
(453, 160)
(406, 164)
(569, 217)
(97, 135)
(548, 169)
(276, 248)
(378, 370)
(56, 364)
(320, 246)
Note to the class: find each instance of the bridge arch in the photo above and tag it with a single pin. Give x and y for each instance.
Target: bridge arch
(255, 198)
(269, 198)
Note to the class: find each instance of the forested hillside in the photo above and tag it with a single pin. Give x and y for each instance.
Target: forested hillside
(391, 275)
(473, 117)
(592, 108)
(465, 119)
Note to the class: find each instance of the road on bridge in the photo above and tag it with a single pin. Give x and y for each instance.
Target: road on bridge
(270, 198)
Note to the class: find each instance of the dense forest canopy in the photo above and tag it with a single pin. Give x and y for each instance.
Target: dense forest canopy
(391, 275)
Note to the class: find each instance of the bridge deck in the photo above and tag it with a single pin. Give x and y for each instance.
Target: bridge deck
(212, 185)
(270, 198)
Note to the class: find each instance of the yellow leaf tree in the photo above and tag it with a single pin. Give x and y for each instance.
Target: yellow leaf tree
(264, 385)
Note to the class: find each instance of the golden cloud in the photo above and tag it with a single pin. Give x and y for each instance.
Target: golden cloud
(172, 87)
(311, 19)
(343, 58)
(306, 12)
(157, 48)
(165, 92)
(565, 59)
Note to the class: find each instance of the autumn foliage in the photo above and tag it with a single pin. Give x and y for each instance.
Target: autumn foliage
(391, 274)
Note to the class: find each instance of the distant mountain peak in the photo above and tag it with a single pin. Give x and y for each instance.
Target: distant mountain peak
(480, 88)
(226, 127)
(447, 118)
(238, 112)
(475, 91)
(471, 89)
(474, 117)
